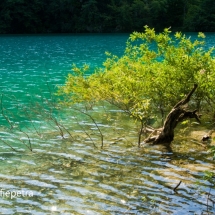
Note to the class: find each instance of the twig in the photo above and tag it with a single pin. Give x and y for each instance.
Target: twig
(29, 140)
(86, 134)
(187, 99)
(209, 193)
(3, 114)
(177, 186)
(9, 145)
(102, 137)
(140, 133)
(67, 131)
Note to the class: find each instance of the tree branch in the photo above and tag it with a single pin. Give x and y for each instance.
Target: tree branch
(187, 99)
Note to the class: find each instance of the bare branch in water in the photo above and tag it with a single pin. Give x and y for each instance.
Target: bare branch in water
(101, 135)
(86, 133)
(177, 186)
(8, 145)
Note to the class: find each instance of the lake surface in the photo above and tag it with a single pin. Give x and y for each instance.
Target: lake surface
(67, 172)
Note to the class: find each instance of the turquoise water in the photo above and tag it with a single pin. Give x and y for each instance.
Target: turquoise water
(67, 172)
(28, 62)
(32, 66)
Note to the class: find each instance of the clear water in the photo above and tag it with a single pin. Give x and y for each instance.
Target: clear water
(69, 175)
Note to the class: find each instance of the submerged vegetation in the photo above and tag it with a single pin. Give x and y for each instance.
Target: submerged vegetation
(155, 73)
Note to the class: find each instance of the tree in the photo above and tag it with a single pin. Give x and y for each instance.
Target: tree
(54, 16)
(175, 14)
(150, 78)
(192, 15)
(175, 116)
(206, 17)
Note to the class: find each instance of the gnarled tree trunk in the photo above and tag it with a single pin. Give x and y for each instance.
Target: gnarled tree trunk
(176, 115)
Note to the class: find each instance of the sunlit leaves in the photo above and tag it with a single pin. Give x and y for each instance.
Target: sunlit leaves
(155, 72)
(201, 35)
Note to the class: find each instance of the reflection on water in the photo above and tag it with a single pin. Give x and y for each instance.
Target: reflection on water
(67, 172)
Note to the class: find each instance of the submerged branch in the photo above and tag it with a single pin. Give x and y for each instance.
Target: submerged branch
(101, 135)
(176, 187)
(86, 133)
(8, 145)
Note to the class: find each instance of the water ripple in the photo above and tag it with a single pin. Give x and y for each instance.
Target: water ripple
(69, 176)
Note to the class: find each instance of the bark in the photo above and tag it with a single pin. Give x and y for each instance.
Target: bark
(176, 115)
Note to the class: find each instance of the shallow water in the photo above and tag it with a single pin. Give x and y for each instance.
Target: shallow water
(69, 173)
(74, 177)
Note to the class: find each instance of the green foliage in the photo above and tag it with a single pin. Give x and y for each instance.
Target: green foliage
(199, 15)
(54, 16)
(155, 72)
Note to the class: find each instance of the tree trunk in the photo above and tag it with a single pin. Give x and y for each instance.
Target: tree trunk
(176, 115)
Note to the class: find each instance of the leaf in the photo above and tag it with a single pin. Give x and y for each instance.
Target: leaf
(154, 73)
